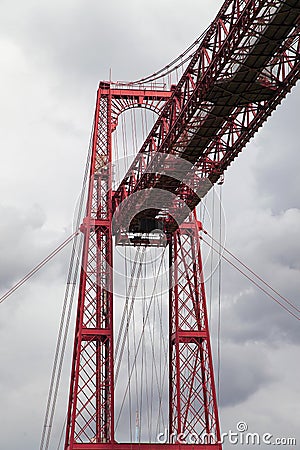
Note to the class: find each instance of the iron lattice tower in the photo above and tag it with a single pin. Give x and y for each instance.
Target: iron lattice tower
(246, 63)
(192, 400)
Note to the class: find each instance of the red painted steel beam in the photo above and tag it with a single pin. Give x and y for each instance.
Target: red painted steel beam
(127, 96)
(246, 64)
(134, 93)
(192, 400)
(91, 400)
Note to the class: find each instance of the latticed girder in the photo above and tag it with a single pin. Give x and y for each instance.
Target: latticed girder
(129, 96)
(90, 418)
(90, 414)
(245, 65)
(193, 404)
(90, 423)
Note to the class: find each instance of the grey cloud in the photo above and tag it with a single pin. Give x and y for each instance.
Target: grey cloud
(254, 318)
(271, 248)
(278, 165)
(27, 241)
(245, 370)
(84, 42)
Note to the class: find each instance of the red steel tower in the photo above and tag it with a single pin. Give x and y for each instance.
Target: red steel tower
(246, 63)
(192, 401)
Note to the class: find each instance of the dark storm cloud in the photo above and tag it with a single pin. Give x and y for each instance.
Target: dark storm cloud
(255, 318)
(245, 370)
(18, 247)
(269, 244)
(278, 167)
(26, 243)
(271, 249)
(27, 332)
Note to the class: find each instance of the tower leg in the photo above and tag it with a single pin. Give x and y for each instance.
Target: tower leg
(193, 407)
(193, 404)
(91, 406)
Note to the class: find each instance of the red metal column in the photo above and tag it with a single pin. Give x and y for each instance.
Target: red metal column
(193, 404)
(91, 411)
(193, 408)
(90, 420)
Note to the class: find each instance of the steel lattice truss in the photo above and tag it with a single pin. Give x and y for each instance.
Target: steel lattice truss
(246, 63)
(90, 415)
(193, 408)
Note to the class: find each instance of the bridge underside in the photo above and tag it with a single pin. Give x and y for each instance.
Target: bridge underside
(205, 124)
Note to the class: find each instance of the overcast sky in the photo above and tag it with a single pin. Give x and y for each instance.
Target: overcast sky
(53, 54)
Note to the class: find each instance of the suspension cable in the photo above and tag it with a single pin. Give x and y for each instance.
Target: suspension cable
(251, 279)
(211, 280)
(171, 67)
(128, 293)
(219, 297)
(252, 271)
(61, 436)
(65, 316)
(60, 349)
(38, 266)
(140, 340)
(47, 428)
(127, 314)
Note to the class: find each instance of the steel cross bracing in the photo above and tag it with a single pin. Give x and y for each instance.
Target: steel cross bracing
(90, 422)
(90, 412)
(246, 64)
(193, 406)
(192, 399)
